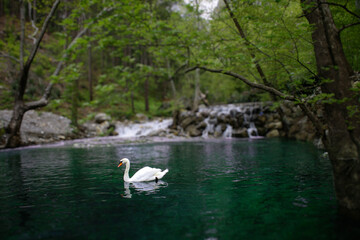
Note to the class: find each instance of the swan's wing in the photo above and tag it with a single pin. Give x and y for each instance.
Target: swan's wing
(145, 174)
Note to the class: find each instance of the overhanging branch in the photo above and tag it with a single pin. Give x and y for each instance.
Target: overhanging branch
(25, 70)
(36, 29)
(302, 103)
(246, 81)
(42, 33)
(341, 6)
(10, 57)
(349, 25)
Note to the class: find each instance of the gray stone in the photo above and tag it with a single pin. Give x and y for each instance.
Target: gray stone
(102, 117)
(40, 127)
(240, 133)
(273, 133)
(193, 131)
(274, 125)
(187, 121)
(140, 117)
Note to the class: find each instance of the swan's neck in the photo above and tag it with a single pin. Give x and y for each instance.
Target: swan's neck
(126, 173)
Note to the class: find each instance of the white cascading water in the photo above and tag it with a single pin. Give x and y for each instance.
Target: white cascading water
(142, 129)
(209, 128)
(252, 131)
(149, 128)
(228, 132)
(246, 109)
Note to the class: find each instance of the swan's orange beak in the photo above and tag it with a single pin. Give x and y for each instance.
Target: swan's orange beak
(120, 164)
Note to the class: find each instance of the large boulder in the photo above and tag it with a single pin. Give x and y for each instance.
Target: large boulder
(40, 127)
(273, 133)
(302, 129)
(187, 121)
(193, 131)
(102, 117)
(240, 133)
(289, 122)
(274, 125)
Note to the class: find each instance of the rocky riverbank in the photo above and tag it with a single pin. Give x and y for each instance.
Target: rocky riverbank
(46, 127)
(246, 120)
(39, 128)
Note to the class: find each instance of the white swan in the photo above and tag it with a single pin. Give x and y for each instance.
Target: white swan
(143, 175)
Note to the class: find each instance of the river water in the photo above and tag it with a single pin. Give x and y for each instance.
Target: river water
(215, 189)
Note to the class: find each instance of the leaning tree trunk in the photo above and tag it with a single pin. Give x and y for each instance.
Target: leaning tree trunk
(343, 131)
(13, 138)
(13, 128)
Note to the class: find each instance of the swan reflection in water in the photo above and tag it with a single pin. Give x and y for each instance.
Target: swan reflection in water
(139, 187)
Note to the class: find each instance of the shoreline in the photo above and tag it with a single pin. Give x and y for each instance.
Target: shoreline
(115, 140)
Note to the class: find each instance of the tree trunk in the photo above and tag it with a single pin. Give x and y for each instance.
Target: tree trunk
(2, 8)
(22, 33)
(343, 132)
(20, 107)
(259, 69)
(146, 93)
(146, 61)
(13, 129)
(90, 79)
(172, 84)
(74, 103)
(132, 102)
(197, 90)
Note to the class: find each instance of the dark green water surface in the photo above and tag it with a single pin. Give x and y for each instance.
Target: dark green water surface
(263, 189)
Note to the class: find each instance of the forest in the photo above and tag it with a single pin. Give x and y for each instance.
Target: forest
(77, 58)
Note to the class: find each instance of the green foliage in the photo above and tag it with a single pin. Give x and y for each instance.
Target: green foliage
(350, 35)
(6, 99)
(137, 42)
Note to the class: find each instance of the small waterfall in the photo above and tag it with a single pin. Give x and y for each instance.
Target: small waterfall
(209, 128)
(248, 115)
(252, 131)
(231, 120)
(128, 130)
(228, 132)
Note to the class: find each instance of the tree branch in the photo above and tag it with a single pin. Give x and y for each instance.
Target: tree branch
(45, 98)
(36, 29)
(246, 81)
(42, 33)
(313, 118)
(22, 34)
(25, 70)
(9, 56)
(347, 26)
(333, 4)
(247, 43)
(316, 122)
(296, 49)
(342, 6)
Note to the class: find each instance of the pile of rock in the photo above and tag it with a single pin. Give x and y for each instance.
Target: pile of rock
(46, 127)
(243, 121)
(40, 127)
(100, 126)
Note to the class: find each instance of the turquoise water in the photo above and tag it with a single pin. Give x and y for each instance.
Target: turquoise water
(234, 189)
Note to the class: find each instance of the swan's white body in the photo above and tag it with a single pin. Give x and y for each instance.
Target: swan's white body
(143, 175)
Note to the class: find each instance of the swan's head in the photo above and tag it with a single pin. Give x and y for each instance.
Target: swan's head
(122, 161)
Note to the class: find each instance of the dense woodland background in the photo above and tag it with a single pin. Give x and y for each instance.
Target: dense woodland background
(132, 56)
